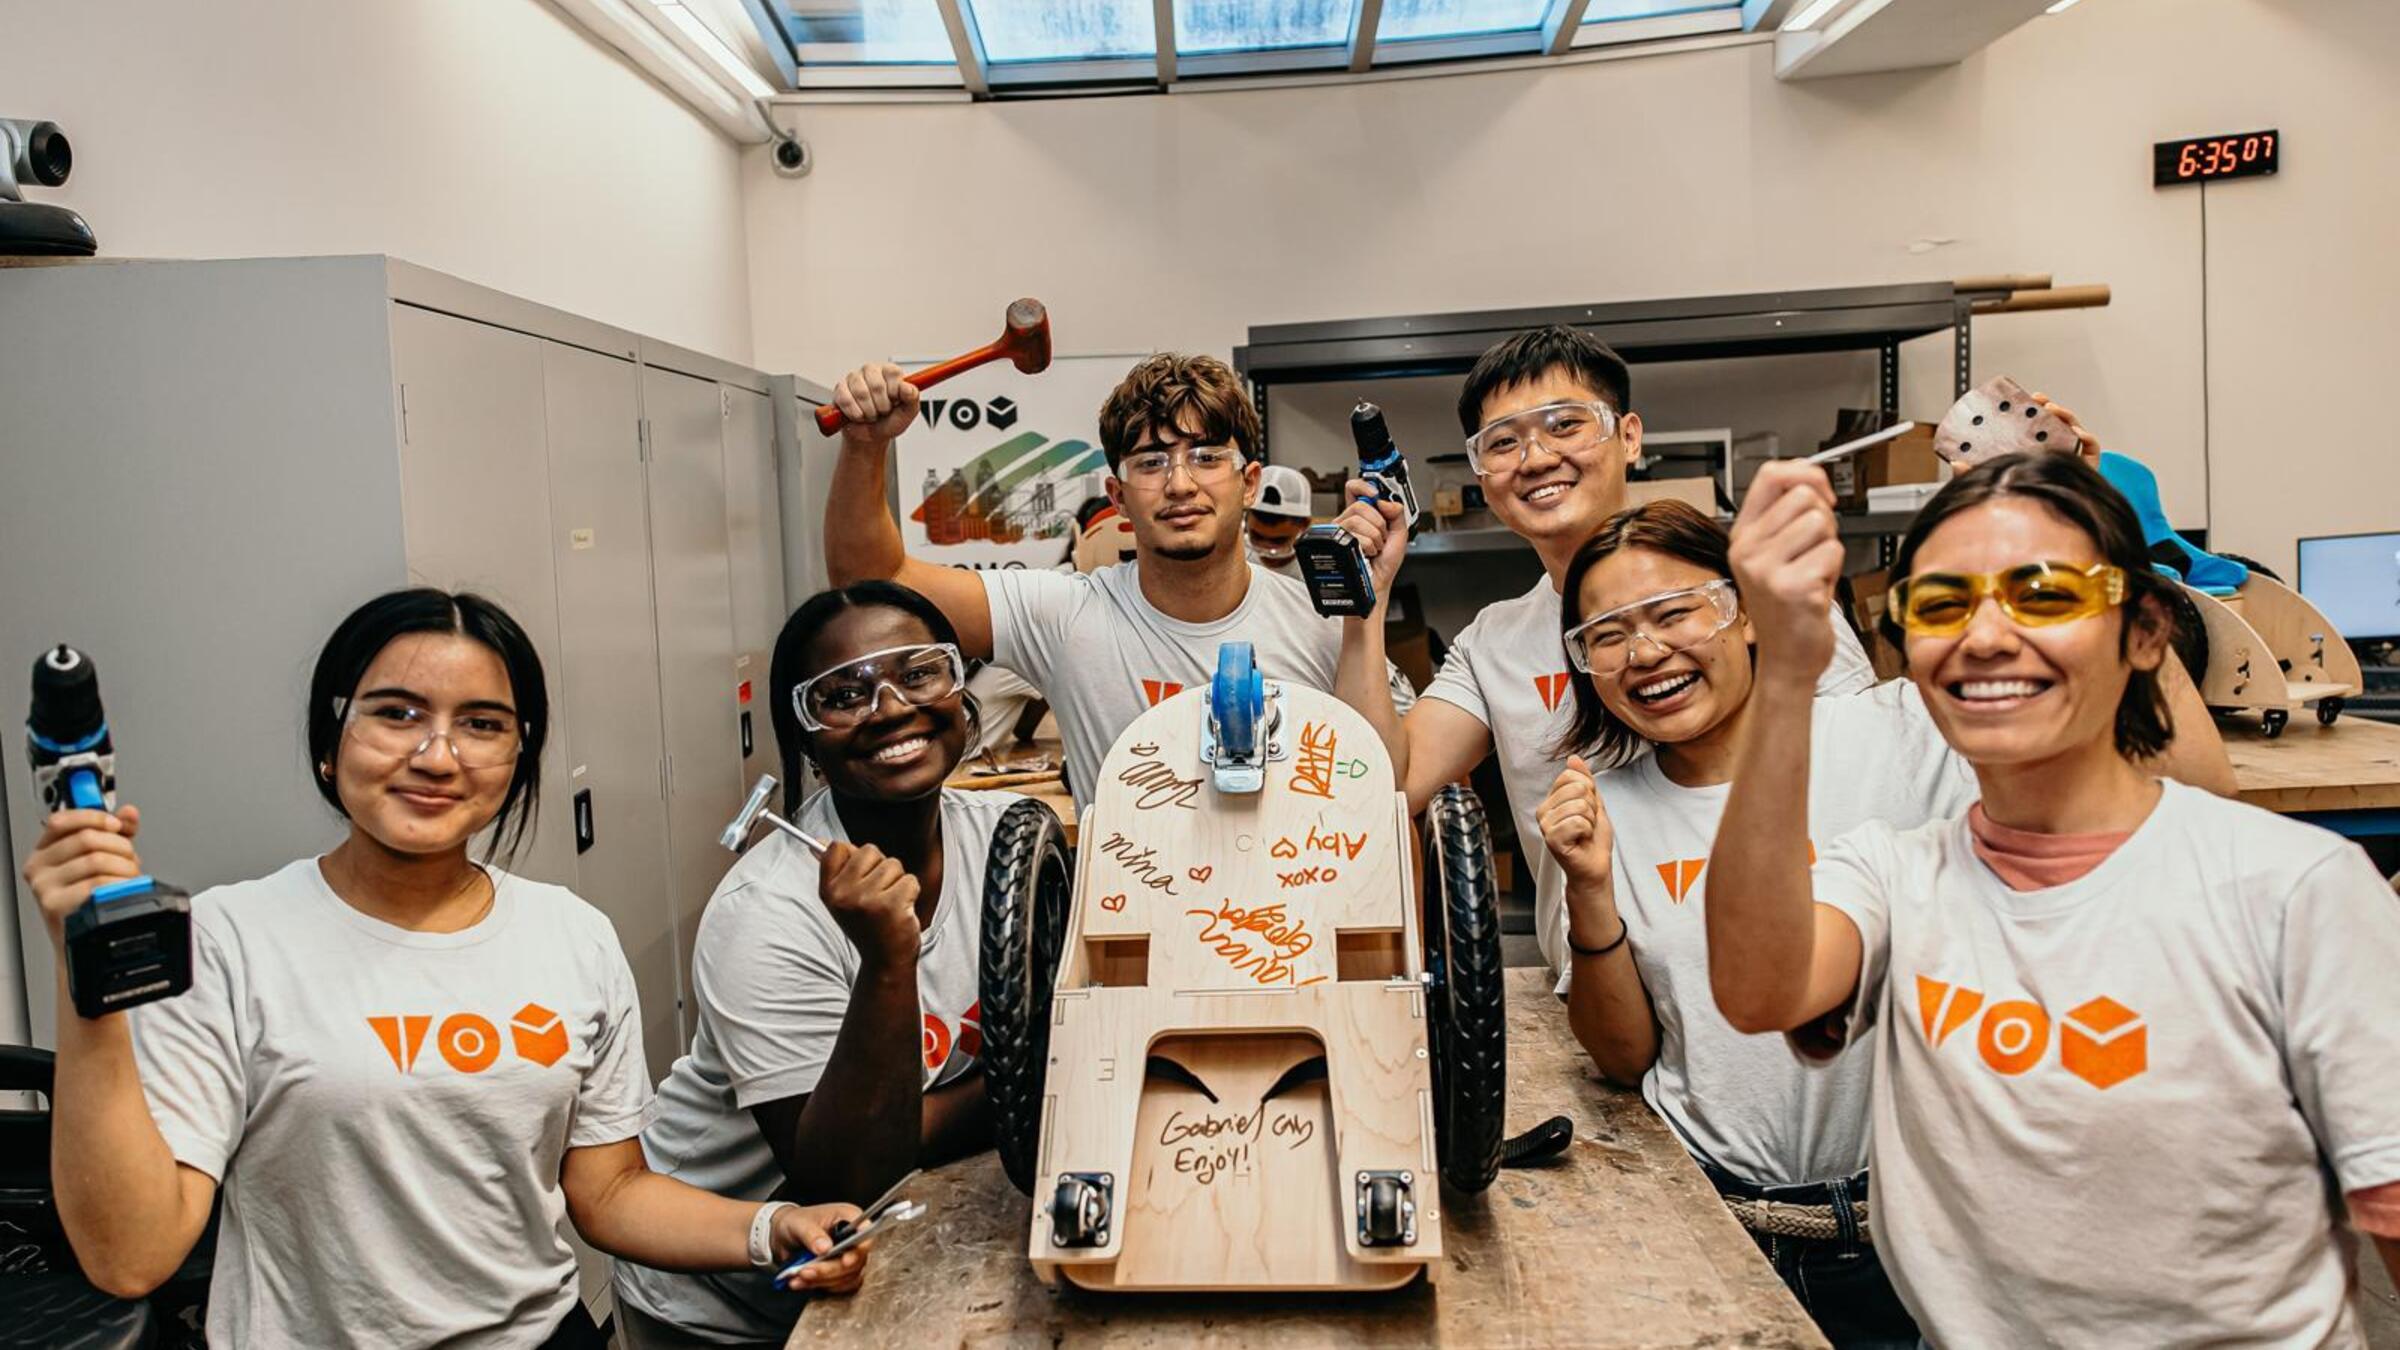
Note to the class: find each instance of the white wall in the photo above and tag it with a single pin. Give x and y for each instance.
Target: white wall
(491, 139)
(1179, 221)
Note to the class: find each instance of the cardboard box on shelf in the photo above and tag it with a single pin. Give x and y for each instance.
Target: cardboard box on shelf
(1869, 595)
(1903, 459)
(1699, 492)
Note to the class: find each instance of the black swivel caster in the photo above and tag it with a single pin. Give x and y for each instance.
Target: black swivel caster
(2274, 720)
(2329, 711)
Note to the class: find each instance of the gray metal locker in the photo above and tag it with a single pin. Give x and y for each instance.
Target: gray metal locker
(754, 531)
(613, 765)
(225, 468)
(475, 507)
(694, 588)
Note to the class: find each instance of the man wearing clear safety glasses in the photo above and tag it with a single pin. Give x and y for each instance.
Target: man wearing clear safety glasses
(1550, 433)
(1180, 435)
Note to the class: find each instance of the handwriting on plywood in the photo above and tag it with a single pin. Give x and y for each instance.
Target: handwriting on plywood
(1141, 864)
(1337, 843)
(1112, 903)
(1159, 785)
(1312, 767)
(1211, 1144)
(1261, 942)
(1307, 876)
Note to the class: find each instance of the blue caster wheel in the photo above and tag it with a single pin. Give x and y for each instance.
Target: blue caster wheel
(1238, 701)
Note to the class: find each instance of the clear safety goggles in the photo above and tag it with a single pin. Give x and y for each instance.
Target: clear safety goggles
(1672, 622)
(1568, 429)
(847, 695)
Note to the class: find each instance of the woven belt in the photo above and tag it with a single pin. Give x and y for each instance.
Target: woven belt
(1777, 1219)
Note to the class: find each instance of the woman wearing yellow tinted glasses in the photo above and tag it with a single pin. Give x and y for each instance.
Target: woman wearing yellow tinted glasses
(2124, 1031)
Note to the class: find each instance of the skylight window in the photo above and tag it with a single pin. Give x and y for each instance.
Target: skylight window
(1066, 30)
(1014, 47)
(1412, 20)
(1204, 27)
(867, 32)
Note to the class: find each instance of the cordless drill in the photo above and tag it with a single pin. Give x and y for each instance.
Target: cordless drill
(131, 943)
(1340, 583)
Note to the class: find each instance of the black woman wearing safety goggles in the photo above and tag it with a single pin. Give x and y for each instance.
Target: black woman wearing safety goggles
(838, 1039)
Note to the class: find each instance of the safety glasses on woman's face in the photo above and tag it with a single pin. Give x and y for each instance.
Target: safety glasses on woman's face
(848, 695)
(1568, 429)
(478, 737)
(1672, 622)
(2033, 595)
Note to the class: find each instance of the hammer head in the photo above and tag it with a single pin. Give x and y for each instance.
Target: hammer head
(1028, 336)
(738, 833)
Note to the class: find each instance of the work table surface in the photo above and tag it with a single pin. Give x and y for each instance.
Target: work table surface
(1619, 1242)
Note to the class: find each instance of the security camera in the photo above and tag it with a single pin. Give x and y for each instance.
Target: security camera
(37, 154)
(32, 152)
(793, 158)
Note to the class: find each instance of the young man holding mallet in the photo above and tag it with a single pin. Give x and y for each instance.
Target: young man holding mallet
(1180, 436)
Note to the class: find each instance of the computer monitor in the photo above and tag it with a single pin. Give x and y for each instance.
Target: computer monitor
(2355, 580)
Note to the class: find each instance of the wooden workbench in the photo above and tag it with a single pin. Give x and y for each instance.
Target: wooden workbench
(1050, 790)
(2351, 767)
(1620, 1242)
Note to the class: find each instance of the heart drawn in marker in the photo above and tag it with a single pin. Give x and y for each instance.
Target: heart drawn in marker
(1201, 874)
(1285, 848)
(1112, 903)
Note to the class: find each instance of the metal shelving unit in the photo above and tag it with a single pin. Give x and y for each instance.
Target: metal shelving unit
(1699, 328)
(1771, 323)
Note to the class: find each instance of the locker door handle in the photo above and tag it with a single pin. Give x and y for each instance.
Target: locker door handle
(583, 821)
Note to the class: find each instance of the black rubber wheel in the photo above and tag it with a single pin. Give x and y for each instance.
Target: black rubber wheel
(2189, 636)
(1025, 888)
(1467, 1020)
(2329, 711)
(2274, 720)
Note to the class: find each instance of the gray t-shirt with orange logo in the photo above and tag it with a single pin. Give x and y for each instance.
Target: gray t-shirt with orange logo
(1508, 670)
(387, 1110)
(772, 974)
(2122, 1111)
(1103, 655)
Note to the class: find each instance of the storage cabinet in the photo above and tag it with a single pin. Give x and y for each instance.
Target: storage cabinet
(232, 455)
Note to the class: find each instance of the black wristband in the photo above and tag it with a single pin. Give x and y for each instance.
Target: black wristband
(1622, 933)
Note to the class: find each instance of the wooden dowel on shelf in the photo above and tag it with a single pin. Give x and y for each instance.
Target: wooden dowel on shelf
(2064, 297)
(2007, 281)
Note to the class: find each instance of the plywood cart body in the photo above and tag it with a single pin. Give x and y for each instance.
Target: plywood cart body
(1229, 1051)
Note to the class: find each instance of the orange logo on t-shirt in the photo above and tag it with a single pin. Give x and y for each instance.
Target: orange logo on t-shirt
(2101, 1041)
(468, 1042)
(1681, 875)
(1552, 688)
(939, 1039)
(1158, 691)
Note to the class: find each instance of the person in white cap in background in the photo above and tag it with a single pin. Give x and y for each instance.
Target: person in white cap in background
(1279, 517)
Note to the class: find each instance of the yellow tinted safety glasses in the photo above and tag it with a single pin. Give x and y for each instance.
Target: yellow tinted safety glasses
(2032, 595)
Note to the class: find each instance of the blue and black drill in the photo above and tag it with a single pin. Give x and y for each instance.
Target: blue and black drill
(131, 943)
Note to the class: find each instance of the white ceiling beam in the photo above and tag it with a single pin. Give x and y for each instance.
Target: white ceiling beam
(1162, 18)
(1558, 31)
(1872, 36)
(696, 84)
(967, 41)
(1363, 22)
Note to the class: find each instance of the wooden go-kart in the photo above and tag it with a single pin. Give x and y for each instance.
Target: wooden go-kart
(1224, 1050)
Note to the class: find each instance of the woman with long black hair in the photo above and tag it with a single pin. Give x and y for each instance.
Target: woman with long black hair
(401, 1066)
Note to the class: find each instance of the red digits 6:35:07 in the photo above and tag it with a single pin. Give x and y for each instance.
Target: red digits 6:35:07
(2205, 159)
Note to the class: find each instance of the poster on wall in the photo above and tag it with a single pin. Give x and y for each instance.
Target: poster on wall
(992, 472)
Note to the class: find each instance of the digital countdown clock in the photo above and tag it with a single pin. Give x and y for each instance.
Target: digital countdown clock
(2205, 159)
